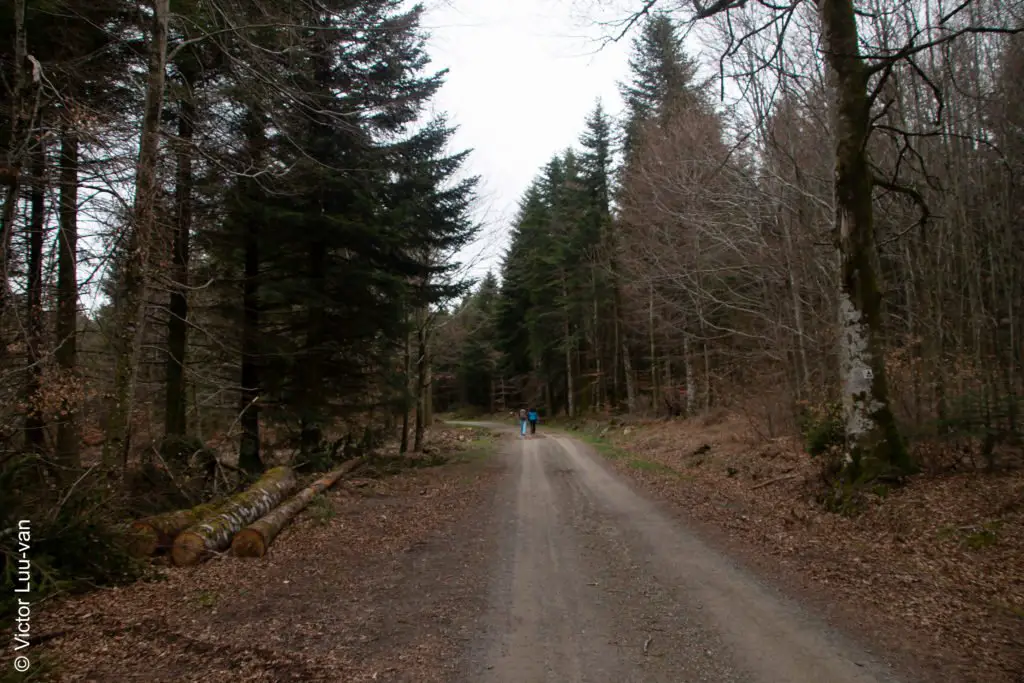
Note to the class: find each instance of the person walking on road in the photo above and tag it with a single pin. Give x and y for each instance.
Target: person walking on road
(531, 415)
(522, 423)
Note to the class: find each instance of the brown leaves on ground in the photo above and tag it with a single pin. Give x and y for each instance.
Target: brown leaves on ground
(372, 582)
(934, 570)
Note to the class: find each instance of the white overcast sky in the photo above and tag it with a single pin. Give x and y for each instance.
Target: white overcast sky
(523, 76)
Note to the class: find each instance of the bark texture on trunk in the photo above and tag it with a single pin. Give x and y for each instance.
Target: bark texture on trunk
(66, 353)
(407, 393)
(35, 423)
(255, 539)
(874, 445)
(130, 316)
(249, 458)
(19, 123)
(175, 421)
(655, 385)
(150, 535)
(214, 533)
(421, 380)
(627, 366)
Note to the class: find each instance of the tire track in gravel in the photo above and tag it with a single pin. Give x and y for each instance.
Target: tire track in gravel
(593, 583)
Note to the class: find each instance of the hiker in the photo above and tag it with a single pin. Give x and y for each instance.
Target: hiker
(531, 415)
(522, 422)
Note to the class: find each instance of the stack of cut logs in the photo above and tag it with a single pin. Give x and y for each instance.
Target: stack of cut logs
(246, 522)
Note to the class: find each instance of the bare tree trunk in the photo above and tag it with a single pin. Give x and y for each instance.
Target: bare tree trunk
(66, 353)
(19, 123)
(691, 380)
(406, 394)
(175, 419)
(130, 315)
(570, 387)
(428, 384)
(421, 378)
(874, 445)
(655, 391)
(616, 346)
(630, 388)
(599, 394)
(249, 457)
(798, 315)
(35, 424)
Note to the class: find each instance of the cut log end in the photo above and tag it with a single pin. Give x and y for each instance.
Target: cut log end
(188, 549)
(145, 540)
(249, 543)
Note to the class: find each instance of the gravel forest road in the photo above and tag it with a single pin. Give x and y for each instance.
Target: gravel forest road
(594, 583)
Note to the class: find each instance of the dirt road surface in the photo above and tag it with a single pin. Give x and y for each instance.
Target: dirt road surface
(594, 583)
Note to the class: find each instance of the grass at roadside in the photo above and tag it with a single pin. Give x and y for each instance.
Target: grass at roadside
(481, 444)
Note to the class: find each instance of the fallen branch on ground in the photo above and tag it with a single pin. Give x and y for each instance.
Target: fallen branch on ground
(773, 481)
(255, 539)
(214, 533)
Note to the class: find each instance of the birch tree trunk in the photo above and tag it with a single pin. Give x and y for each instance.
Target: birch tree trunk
(874, 445)
(130, 313)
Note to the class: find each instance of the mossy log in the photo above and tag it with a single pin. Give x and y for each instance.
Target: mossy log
(255, 539)
(153, 534)
(214, 533)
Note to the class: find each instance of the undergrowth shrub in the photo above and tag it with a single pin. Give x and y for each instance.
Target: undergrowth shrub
(821, 426)
(77, 539)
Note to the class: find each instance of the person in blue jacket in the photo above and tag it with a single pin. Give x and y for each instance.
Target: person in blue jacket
(531, 415)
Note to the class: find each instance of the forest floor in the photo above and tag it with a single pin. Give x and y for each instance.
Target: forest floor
(373, 583)
(932, 573)
(692, 550)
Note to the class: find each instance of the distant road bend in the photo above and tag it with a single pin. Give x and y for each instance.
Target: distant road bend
(594, 583)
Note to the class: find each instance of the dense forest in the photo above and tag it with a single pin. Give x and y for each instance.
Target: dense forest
(226, 228)
(707, 249)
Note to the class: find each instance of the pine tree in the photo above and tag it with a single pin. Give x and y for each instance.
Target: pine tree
(662, 81)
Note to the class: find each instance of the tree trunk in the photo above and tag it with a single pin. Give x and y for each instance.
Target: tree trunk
(874, 445)
(249, 457)
(214, 533)
(255, 539)
(66, 353)
(570, 387)
(599, 397)
(691, 379)
(35, 423)
(428, 388)
(153, 534)
(616, 345)
(655, 391)
(175, 421)
(421, 375)
(19, 125)
(130, 316)
(406, 393)
(798, 314)
(630, 388)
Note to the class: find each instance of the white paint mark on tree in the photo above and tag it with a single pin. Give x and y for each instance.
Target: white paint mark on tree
(859, 404)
